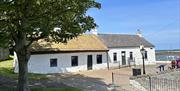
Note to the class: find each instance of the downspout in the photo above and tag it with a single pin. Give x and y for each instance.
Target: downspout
(107, 59)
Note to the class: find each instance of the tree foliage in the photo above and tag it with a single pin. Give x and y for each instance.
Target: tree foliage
(24, 21)
(36, 19)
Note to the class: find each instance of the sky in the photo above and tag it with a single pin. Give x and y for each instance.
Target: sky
(158, 20)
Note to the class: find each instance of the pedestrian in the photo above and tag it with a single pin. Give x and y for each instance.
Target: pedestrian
(178, 62)
(173, 64)
(161, 67)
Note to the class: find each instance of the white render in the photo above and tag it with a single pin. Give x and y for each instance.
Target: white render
(136, 55)
(40, 63)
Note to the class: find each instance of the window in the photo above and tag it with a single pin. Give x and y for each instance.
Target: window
(145, 55)
(74, 61)
(131, 55)
(53, 62)
(115, 57)
(99, 59)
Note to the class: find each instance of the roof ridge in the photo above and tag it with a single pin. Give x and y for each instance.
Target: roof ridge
(116, 34)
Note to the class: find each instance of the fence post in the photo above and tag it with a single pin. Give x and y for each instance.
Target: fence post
(112, 78)
(150, 83)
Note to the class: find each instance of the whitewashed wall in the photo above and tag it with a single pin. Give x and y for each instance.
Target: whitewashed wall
(136, 54)
(41, 63)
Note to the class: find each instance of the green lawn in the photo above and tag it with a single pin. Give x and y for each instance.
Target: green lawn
(44, 89)
(6, 69)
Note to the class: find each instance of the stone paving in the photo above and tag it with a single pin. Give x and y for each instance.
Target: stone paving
(102, 79)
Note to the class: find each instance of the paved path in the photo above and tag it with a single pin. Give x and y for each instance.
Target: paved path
(95, 80)
(101, 80)
(83, 82)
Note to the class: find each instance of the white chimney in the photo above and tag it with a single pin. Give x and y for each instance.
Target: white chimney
(138, 33)
(94, 31)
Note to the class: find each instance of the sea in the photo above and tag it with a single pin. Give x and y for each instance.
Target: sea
(167, 55)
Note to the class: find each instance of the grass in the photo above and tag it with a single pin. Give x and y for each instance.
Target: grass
(44, 89)
(6, 70)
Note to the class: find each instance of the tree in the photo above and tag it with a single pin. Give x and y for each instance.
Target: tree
(24, 21)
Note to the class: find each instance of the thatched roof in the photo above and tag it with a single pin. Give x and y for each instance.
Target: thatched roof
(79, 44)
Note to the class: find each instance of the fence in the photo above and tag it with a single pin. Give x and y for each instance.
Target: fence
(160, 84)
(149, 83)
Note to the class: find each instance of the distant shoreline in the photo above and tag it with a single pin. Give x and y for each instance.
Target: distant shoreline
(167, 55)
(167, 52)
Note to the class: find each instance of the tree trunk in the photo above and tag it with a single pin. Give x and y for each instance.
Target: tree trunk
(23, 55)
(23, 58)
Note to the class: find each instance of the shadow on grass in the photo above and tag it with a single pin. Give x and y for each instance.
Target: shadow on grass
(7, 72)
(59, 81)
(43, 89)
(8, 79)
(83, 82)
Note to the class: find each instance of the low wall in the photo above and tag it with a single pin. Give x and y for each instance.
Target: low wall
(167, 62)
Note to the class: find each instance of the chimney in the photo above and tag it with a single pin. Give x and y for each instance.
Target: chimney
(138, 33)
(94, 31)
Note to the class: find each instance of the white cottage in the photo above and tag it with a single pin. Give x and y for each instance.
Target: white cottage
(124, 50)
(85, 52)
(89, 52)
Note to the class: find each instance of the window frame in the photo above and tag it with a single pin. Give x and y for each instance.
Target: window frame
(115, 56)
(130, 55)
(53, 62)
(146, 55)
(99, 61)
(74, 62)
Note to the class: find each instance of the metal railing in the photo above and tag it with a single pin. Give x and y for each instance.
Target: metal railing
(161, 84)
(149, 83)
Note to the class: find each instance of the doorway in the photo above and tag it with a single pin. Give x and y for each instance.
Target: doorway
(123, 56)
(89, 62)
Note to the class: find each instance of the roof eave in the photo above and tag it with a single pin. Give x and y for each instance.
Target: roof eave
(70, 51)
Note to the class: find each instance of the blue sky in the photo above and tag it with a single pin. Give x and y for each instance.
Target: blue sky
(159, 20)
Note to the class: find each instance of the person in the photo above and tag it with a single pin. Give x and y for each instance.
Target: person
(178, 62)
(161, 67)
(173, 64)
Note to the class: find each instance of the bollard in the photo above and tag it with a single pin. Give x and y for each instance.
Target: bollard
(150, 83)
(112, 78)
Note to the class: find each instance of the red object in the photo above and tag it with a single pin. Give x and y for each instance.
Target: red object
(177, 59)
(178, 64)
(173, 62)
